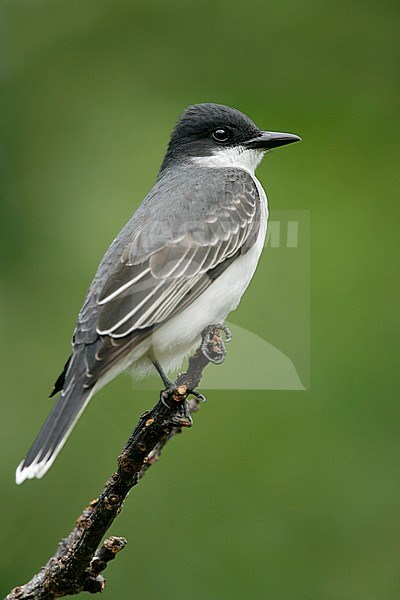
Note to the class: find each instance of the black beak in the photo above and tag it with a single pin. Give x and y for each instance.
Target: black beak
(271, 139)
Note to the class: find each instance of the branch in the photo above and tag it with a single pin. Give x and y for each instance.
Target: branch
(80, 558)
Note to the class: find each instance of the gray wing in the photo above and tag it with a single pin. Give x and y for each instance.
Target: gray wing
(178, 242)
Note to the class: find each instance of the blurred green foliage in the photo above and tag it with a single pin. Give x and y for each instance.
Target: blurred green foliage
(278, 495)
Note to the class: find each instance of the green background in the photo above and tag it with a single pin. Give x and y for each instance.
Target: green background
(284, 495)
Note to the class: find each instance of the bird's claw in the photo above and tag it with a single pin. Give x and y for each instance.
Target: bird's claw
(172, 391)
(198, 396)
(182, 417)
(212, 345)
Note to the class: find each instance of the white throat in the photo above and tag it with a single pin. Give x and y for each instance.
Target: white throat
(239, 157)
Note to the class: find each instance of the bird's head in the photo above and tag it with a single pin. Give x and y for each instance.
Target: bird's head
(217, 135)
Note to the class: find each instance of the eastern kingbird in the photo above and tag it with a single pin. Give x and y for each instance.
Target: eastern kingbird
(181, 263)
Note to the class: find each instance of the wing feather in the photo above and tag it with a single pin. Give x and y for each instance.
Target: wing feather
(138, 296)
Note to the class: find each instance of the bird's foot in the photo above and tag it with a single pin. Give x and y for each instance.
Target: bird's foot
(179, 394)
(213, 346)
(182, 417)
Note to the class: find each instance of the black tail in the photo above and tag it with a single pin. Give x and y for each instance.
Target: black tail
(55, 431)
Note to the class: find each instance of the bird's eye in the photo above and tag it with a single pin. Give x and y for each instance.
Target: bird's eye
(221, 135)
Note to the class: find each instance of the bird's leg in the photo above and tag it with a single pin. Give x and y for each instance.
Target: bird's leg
(167, 382)
(182, 416)
(212, 345)
(212, 349)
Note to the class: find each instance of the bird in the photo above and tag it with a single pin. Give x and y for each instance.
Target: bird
(181, 264)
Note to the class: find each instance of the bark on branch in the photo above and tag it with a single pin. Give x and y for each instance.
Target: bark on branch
(81, 557)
